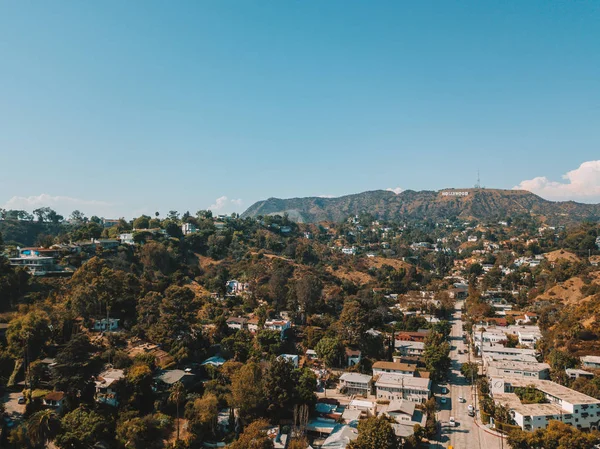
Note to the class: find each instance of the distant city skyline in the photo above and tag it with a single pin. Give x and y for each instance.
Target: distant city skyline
(123, 108)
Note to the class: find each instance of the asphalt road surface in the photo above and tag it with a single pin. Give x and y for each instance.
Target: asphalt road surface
(466, 434)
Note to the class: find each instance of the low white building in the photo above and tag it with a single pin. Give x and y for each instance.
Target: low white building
(355, 384)
(577, 373)
(404, 369)
(126, 238)
(396, 386)
(590, 361)
(569, 406)
(493, 350)
(409, 348)
(106, 383)
(509, 368)
(188, 228)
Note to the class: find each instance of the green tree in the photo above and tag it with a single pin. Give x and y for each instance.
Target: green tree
(145, 432)
(82, 429)
(437, 356)
(254, 436)
(41, 427)
(142, 222)
(330, 351)
(177, 397)
(375, 433)
(247, 391)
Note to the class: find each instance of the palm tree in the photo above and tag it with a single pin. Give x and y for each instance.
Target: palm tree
(41, 427)
(177, 395)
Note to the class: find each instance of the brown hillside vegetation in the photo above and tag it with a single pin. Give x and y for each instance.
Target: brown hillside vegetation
(562, 254)
(569, 292)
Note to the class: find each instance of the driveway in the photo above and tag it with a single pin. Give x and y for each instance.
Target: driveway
(13, 408)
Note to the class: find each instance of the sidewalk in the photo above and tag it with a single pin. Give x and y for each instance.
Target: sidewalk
(486, 429)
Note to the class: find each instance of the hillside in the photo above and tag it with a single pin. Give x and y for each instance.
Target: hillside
(411, 205)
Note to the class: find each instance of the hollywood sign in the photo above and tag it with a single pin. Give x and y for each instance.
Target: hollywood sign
(455, 193)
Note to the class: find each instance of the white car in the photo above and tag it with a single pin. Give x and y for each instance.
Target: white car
(461, 399)
(452, 422)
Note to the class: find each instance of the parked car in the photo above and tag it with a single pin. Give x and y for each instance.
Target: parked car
(21, 400)
(444, 390)
(461, 399)
(443, 400)
(452, 422)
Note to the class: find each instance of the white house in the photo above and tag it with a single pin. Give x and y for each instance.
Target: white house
(349, 251)
(577, 373)
(188, 228)
(509, 368)
(404, 369)
(569, 406)
(396, 386)
(409, 348)
(590, 361)
(106, 382)
(355, 384)
(126, 238)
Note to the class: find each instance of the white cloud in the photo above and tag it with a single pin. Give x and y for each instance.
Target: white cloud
(396, 190)
(64, 205)
(225, 205)
(581, 184)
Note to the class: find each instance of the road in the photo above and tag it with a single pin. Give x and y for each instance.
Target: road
(466, 434)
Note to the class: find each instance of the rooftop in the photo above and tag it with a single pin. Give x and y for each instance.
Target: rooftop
(554, 389)
(397, 380)
(355, 377)
(397, 366)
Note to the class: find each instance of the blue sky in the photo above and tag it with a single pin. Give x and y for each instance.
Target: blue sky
(119, 108)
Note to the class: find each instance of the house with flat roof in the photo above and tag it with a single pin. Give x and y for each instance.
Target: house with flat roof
(494, 350)
(590, 361)
(569, 406)
(574, 373)
(396, 386)
(405, 369)
(106, 386)
(509, 368)
(409, 348)
(355, 383)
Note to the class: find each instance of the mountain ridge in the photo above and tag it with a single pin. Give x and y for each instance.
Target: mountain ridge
(467, 203)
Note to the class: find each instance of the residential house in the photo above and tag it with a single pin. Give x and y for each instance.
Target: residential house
(105, 324)
(591, 361)
(509, 368)
(127, 238)
(355, 384)
(353, 357)
(54, 400)
(569, 406)
(406, 415)
(236, 322)
(106, 383)
(409, 348)
(252, 324)
(577, 373)
(404, 369)
(188, 228)
(367, 408)
(412, 336)
(396, 386)
(340, 437)
(165, 379)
